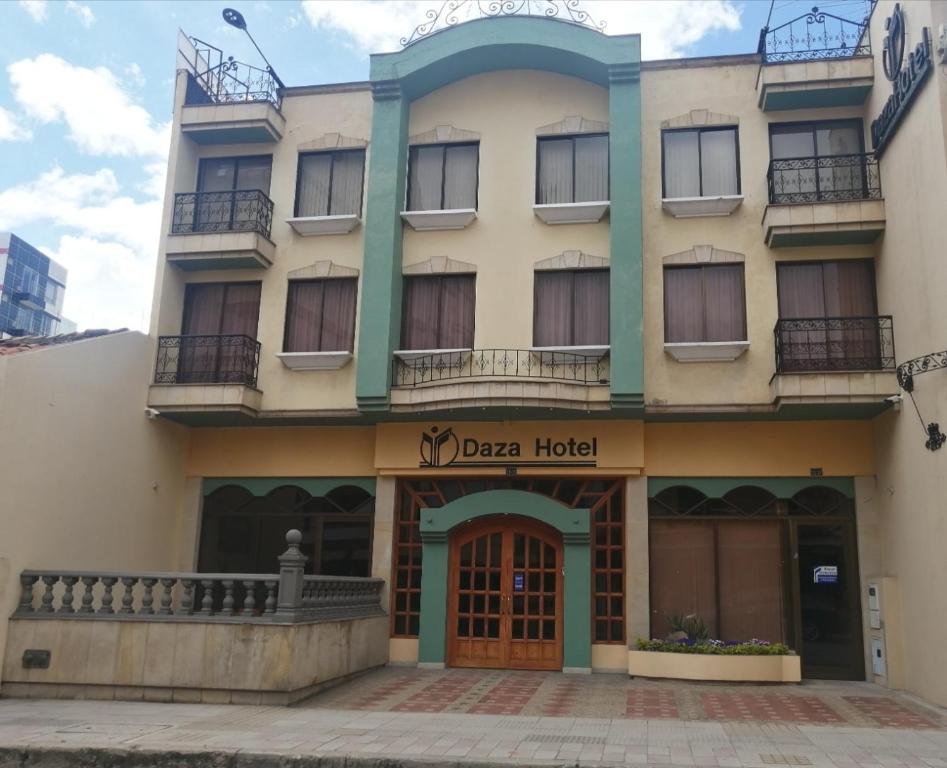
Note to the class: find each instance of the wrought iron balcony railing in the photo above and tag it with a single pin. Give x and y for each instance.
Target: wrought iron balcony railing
(814, 36)
(218, 80)
(831, 178)
(819, 344)
(490, 363)
(221, 359)
(242, 210)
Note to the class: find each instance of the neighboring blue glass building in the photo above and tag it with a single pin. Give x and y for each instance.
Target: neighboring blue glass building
(32, 287)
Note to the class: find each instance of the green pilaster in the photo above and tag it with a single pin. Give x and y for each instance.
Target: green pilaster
(380, 321)
(626, 320)
(573, 524)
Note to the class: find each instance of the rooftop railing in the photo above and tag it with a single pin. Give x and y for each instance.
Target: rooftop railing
(824, 179)
(208, 359)
(453, 365)
(218, 80)
(241, 210)
(822, 344)
(814, 36)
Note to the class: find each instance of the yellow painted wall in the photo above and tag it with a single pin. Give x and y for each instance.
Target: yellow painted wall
(759, 449)
(669, 93)
(912, 284)
(507, 239)
(90, 483)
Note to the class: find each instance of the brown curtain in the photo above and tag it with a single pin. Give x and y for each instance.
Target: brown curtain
(591, 308)
(438, 312)
(683, 305)
(320, 316)
(552, 311)
(682, 572)
(749, 567)
(724, 303)
(216, 309)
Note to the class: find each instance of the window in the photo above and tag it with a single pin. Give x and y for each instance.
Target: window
(232, 193)
(704, 303)
(826, 289)
(817, 161)
(700, 162)
(443, 177)
(223, 174)
(571, 308)
(572, 169)
(438, 312)
(330, 183)
(320, 315)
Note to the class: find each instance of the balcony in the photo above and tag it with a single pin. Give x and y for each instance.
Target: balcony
(227, 101)
(814, 60)
(830, 200)
(204, 374)
(221, 230)
(834, 366)
(568, 378)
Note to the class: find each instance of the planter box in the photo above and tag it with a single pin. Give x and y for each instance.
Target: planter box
(698, 666)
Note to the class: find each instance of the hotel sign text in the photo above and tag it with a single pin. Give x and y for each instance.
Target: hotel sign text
(443, 447)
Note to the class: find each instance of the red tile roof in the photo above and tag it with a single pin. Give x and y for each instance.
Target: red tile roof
(25, 343)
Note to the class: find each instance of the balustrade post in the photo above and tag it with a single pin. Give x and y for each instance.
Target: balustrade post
(148, 599)
(65, 604)
(187, 597)
(46, 604)
(291, 578)
(128, 597)
(249, 600)
(166, 597)
(207, 599)
(26, 593)
(107, 583)
(228, 609)
(87, 597)
(269, 606)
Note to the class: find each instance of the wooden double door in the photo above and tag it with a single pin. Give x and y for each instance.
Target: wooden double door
(505, 595)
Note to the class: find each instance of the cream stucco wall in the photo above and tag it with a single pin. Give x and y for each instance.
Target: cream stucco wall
(912, 284)
(506, 109)
(90, 483)
(669, 92)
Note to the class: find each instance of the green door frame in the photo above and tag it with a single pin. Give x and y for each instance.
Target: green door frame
(573, 524)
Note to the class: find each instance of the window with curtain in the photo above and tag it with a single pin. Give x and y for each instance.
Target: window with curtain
(827, 290)
(700, 162)
(570, 308)
(438, 312)
(320, 315)
(330, 183)
(704, 303)
(835, 149)
(442, 177)
(223, 175)
(572, 169)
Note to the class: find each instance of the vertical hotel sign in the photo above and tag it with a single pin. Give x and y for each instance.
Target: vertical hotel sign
(906, 79)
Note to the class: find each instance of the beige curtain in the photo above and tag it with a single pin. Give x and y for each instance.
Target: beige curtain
(555, 171)
(681, 163)
(460, 177)
(591, 168)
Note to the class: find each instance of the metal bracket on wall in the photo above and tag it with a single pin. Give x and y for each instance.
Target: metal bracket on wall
(906, 373)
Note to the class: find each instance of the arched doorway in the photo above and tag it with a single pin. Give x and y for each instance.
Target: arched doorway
(505, 594)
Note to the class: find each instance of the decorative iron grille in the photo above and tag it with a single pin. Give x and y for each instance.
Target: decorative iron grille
(219, 359)
(454, 12)
(216, 80)
(488, 363)
(243, 210)
(835, 344)
(814, 36)
(824, 179)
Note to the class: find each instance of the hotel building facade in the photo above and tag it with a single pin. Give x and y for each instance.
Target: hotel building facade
(558, 344)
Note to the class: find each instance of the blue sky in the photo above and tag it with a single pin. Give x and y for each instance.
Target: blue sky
(86, 91)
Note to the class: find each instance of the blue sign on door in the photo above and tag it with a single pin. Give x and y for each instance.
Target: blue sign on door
(825, 574)
(519, 582)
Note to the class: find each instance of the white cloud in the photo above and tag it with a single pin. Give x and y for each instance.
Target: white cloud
(134, 76)
(102, 119)
(10, 128)
(38, 9)
(83, 12)
(667, 27)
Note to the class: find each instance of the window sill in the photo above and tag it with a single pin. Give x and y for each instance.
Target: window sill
(593, 350)
(314, 361)
(706, 351)
(412, 355)
(323, 225)
(458, 218)
(686, 207)
(572, 213)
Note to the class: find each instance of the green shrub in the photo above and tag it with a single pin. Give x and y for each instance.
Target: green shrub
(691, 625)
(716, 647)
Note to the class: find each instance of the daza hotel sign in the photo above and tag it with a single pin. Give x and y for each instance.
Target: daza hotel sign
(443, 447)
(906, 79)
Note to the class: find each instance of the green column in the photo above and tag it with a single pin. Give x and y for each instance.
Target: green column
(577, 599)
(432, 637)
(380, 319)
(627, 356)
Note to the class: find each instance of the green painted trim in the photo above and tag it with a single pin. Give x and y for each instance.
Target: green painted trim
(780, 487)
(261, 486)
(574, 524)
(833, 237)
(380, 322)
(820, 98)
